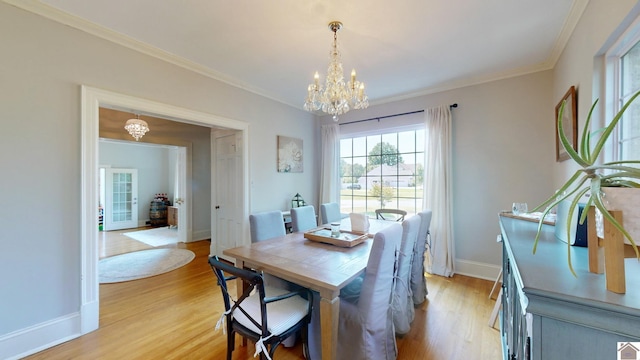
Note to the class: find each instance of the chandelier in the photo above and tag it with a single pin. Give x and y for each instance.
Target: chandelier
(336, 97)
(136, 127)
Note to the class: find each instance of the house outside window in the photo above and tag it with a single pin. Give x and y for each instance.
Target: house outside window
(382, 171)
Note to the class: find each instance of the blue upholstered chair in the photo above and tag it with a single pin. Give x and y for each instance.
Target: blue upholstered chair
(330, 212)
(266, 225)
(303, 218)
(402, 302)
(365, 326)
(418, 280)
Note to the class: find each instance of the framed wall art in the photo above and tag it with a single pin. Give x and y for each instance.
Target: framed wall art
(290, 155)
(569, 122)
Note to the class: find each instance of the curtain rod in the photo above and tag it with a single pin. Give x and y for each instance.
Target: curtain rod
(454, 105)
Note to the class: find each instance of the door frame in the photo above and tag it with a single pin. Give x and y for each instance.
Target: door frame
(91, 101)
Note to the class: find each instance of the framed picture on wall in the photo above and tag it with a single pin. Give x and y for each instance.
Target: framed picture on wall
(569, 123)
(290, 155)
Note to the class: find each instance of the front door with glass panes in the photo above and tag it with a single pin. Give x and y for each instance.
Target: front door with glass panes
(121, 208)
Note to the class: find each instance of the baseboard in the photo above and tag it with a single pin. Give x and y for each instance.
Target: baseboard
(201, 235)
(33, 339)
(477, 269)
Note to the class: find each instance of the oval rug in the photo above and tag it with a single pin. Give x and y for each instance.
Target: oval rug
(142, 264)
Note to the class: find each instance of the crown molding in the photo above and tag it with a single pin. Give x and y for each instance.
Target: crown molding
(88, 27)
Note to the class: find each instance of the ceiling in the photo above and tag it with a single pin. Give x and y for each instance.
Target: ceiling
(399, 49)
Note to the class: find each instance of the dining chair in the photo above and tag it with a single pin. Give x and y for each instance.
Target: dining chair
(330, 212)
(391, 214)
(266, 225)
(263, 314)
(402, 299)
(365, 324)
(303, 218)
(418, 280)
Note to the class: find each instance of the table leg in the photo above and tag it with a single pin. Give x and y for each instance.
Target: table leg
(329, 315)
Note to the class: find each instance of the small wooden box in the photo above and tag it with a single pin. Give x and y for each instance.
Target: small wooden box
(346, 239)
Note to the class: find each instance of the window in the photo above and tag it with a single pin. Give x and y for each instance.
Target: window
(628, 132)
(382, 171)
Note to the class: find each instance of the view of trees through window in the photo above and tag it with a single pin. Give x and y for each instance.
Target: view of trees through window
(629, 126)
(382, 171)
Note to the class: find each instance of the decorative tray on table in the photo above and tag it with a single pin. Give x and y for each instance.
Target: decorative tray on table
(345, 239)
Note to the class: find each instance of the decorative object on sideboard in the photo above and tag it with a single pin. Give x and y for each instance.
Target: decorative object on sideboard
(136, 127)
(336, 97)
(593, 176)
(297, 201)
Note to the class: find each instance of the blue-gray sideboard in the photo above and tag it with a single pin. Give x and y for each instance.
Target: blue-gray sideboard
(548, 313)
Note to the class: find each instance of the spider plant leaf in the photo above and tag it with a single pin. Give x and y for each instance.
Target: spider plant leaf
(572, 209)
(565, 142)
(609, 128)
(585, 142)
(553, 202)
(564, 188)
(583, 217)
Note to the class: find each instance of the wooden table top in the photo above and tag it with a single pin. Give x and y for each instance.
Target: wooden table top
(308, 263)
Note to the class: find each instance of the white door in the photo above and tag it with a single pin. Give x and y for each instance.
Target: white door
(227, 200)
(121, 208)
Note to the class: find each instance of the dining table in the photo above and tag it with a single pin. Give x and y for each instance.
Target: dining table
(321, 267)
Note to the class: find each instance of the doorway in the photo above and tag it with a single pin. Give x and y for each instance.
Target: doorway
(92, 100)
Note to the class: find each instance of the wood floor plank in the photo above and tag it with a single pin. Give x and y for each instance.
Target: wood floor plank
(173, 315)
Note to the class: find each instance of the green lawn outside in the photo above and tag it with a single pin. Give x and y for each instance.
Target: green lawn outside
(356, 201)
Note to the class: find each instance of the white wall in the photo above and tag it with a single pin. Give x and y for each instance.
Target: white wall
(41, 70)
(576, 64)
(155, 165)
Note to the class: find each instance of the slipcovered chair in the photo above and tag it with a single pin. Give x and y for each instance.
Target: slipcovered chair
(263, 314)
(402, 299)
(365, 326)
(391, 214)
(303, 218)
(418, 280)
(329, 213)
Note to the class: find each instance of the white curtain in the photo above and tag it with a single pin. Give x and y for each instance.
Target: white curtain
(329, 189)
(438, 191)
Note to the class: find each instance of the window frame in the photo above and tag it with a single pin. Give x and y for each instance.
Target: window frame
(417, 201)
(612, 92)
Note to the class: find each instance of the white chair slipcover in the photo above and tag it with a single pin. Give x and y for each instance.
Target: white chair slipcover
(365, 327)
(418, 280)
(303, 218)
(402, 302)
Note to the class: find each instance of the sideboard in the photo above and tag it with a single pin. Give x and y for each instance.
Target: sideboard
(548, 313)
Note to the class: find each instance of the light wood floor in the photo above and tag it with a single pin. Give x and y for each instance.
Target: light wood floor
(173, 315)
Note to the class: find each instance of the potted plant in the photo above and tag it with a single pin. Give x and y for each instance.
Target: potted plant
(593, 176)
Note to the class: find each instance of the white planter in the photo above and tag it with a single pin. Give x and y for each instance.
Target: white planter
(626, 200)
